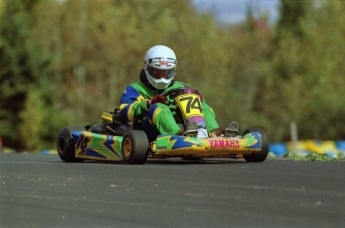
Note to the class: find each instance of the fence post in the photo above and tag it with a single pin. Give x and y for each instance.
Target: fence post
(294, 136)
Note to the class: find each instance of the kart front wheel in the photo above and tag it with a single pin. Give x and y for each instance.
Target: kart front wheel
(65, 144)
(135, 146)
(261, 155)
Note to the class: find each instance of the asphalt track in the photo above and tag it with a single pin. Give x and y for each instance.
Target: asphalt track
(41, 191)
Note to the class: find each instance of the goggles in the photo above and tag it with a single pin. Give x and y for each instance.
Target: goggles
(158, 74)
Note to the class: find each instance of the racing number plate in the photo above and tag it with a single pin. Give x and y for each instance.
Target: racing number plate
(190, 105)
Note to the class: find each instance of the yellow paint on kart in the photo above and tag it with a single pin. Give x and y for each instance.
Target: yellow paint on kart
(248, 141)
(98, 147)
(107, 116)
(168, 143)
(210, 147)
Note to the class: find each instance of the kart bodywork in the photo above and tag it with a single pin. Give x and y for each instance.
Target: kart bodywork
(118, 141)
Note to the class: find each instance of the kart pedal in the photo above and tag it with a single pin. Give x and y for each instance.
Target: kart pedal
(232, 129)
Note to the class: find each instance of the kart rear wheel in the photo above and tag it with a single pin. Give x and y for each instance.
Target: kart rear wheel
(135, 146)
(65, 144)
(258, 156)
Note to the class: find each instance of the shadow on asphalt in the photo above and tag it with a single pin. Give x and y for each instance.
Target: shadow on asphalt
(198, 162)
(168, 161)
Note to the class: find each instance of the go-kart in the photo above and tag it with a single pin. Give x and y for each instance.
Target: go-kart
(116, 140)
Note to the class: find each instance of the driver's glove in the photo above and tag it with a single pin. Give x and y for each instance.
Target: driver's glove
(156, 99)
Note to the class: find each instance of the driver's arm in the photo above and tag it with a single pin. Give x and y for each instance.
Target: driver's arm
(132, 105)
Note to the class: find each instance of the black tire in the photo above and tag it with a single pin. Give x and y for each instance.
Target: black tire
(258, 156)
(65, 144)
(135, 146)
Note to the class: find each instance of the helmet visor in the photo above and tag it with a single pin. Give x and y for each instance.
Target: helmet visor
(158, 74)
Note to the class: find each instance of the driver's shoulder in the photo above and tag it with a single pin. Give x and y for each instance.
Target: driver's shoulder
(142, 89)
(139, 86)
(135, 88)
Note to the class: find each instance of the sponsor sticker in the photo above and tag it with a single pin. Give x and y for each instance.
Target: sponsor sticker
(224, 144)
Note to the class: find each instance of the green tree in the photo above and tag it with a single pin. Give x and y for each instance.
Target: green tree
(250, 53)
(307, 71)
(21, 69)
(291, 13)
(324, 34)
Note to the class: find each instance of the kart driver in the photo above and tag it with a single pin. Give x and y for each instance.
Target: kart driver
(142, 101)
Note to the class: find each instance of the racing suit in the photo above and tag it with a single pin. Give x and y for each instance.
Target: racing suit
(158, 118)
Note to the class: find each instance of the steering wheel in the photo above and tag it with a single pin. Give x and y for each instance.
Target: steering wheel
(179, 91)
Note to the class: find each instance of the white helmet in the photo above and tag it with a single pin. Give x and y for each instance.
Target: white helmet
(160, 66)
